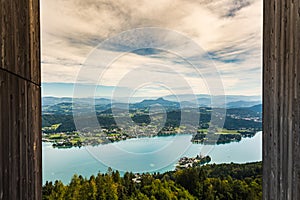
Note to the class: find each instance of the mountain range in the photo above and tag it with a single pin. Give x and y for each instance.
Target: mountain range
(183, 101)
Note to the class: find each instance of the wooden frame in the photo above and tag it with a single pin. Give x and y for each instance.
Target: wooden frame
(281, 93)
(20, 102)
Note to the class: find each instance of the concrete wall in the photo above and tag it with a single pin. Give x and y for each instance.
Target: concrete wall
(281, 137)
(20, 101)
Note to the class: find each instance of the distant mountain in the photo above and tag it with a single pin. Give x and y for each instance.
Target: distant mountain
(242, 104)
(160, 101)
(55, 104)
(185, 97)
(234, 98)
(59, 108)
(188, 104)
(48, 101)
(229, 98)
(204, 102)
(67, 108)
(256, 108)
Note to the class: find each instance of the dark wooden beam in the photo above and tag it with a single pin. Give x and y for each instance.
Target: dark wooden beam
(20, 122)
(20, 100)
(281, 135)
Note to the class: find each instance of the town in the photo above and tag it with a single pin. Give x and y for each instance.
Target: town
(186, 162)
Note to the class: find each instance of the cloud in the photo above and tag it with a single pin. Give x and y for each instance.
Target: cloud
(228, 30)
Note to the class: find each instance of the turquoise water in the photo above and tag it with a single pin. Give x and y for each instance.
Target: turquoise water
(158, 154)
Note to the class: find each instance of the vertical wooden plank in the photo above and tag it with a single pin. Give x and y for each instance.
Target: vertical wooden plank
(268, 57)
(20, 151)
(35, 57)
(281, 60)
(1, 140)
(34, 123)
(20, 38)
(21, 126)
(12, 133)
(290, 90)
(4, 132)
(1, 37)
(20, 101)
(296, 144)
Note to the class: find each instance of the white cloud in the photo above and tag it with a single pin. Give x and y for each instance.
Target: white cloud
(230, 30)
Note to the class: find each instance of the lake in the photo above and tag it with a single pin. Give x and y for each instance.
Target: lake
(155, 154)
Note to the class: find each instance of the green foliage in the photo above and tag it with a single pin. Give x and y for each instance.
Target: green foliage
(235, 121)
(209, 182)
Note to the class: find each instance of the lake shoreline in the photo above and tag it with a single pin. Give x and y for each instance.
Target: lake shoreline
(63, 140)
(63, 163)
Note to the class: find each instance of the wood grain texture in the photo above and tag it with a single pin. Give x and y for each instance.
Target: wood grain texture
(20, 101)
(20, 36)
(20, 142)
(281, 139)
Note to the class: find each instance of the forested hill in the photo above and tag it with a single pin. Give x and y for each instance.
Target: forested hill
(236, 118)
(209, 182)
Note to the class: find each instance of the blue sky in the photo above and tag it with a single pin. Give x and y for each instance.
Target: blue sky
(66, 90)
(228, 31)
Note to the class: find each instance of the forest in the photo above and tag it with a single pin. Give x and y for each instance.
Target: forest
(235, 121)
(209, 182)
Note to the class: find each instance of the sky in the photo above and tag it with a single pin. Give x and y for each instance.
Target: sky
(228, 32)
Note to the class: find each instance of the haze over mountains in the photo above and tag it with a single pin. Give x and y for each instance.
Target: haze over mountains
(239, 112)
(59, 111)
(183, 101)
